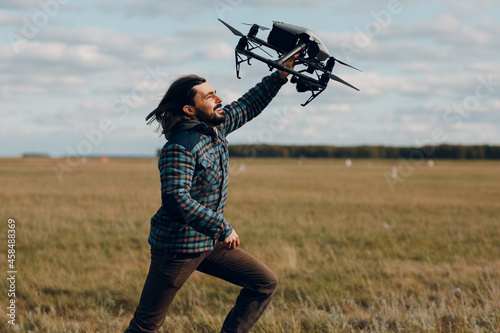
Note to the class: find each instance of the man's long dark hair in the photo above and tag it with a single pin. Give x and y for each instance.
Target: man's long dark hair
(169, 112)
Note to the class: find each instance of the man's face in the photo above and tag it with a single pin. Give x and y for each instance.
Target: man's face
(208, 105)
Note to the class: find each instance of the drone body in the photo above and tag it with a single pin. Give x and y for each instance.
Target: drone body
(288, 40)
(286, 36)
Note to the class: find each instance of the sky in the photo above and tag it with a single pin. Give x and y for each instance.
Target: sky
(79, 77)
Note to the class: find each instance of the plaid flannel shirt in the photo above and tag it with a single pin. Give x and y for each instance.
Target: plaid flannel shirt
(193, 168)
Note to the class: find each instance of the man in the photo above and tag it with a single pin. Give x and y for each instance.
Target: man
(189, 231)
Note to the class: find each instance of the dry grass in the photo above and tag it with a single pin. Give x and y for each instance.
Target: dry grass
(352, 255)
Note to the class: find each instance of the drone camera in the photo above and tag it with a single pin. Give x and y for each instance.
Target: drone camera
(282, 39)
(302, 85)
(313, 50)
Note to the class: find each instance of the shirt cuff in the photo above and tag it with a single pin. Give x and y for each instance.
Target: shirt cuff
(226, 232)
(279, 78)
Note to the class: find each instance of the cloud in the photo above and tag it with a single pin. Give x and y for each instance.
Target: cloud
(337, 108)
(63, 61)
(379, 84)
(471, 8)
(448, 29)
(435, 38)
(7, 19)
(185, 10)
(21, 4)
(418, 67)
(175, 9)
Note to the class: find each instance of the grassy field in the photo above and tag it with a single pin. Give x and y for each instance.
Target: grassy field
(355, 250)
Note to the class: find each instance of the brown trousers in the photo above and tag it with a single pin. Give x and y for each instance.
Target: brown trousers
(168, 272)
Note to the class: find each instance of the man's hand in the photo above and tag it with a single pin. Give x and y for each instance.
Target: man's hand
(231, 242)
(290, 63)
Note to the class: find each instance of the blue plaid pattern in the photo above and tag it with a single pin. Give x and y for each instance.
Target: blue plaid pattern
(193, 168)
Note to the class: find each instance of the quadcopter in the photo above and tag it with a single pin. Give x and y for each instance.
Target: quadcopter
(288, 40)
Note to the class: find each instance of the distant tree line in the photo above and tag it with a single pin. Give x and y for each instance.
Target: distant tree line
(425, 152)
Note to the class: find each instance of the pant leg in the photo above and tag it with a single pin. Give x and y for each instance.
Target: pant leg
(258, 281)
(166, 276)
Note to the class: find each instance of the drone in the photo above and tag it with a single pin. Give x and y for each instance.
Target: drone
(288, 40)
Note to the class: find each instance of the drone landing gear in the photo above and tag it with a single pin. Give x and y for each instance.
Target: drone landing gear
(239, 61)
(313, 96)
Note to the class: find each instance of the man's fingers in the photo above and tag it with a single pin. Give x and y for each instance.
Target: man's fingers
(231, 242)
(231, 245)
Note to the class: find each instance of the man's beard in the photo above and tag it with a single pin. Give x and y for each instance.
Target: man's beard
(211, 119)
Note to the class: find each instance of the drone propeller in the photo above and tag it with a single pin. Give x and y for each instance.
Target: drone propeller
(336, 78)
(343, 63)
(260, 27)
(233, 30)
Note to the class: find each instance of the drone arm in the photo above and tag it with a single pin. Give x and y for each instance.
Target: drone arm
(291, 53)
(279, 66)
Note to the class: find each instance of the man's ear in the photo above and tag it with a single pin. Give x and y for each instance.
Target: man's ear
(189, 110)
